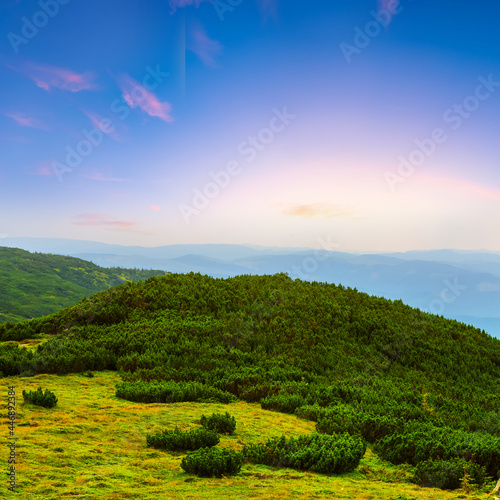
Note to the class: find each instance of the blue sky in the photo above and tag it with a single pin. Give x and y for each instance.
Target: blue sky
(372, 124)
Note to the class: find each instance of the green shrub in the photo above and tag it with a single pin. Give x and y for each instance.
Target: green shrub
(171, 392)
(344, 418)
(310, 412)
(46, 399)
(316, 452)
(448, 474)
(375, 427)
(210, 462)
(285, 403)
(220, 423)
(418, 443)
(176, 439)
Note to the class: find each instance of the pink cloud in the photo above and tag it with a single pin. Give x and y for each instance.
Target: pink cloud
(47, 77)
(205, 48)
(175, 4)
(318, 210)
(137, 96)
(105, 221)
(24, 120)
(97, 176)
(154, 208)
(98, 121)
(45, 168)
(388, 5)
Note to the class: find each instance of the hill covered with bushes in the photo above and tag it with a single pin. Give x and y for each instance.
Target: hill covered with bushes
(36, 284)
(420, 389)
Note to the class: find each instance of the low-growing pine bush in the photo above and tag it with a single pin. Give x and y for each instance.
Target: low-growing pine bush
(220, 423)
(448, 474)
(310, 412)
(158, 391)
(316, 452)
(285, 403)
(419, 443)
(343, 418)
(176, 439)
(210, 462)
(46, 399)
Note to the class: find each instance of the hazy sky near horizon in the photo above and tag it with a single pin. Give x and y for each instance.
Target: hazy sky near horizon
(372, 125)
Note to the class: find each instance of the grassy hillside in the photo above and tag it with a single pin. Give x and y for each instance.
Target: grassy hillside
(36, 284)
(92, 446)
(419, 389)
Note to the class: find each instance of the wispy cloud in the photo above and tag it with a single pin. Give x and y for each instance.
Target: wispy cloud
(175, 4)
(137, 96)
(24, 120)
(98, 176)
(205, 48)
(154, 208)
(45, 168)
(388, 6)
(106, 221)
(97, 122)
(317, 210)
(48, 77)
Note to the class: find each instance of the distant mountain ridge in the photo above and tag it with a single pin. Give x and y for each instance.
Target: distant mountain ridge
(459, 285)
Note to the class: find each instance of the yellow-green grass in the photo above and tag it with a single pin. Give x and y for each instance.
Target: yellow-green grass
(92, 445)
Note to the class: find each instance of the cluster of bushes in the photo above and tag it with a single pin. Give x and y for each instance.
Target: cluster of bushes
(315, 452)
(171, 392)
(220, 423)
(210, 462)
(420, 443)
(346, 418)
(449, 474)
(46, 399)
(285, 403)
(206, 460)
(177, 440)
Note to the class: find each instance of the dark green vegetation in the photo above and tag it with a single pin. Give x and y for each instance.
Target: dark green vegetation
(171, 392)
(415, 386)
(449, 474)
(212, 462)
(36, 284)
(222, 423)
(316, 452)
(176, 440)
(46, 399)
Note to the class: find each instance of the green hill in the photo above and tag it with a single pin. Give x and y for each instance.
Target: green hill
(37, 284)
(419, 389)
